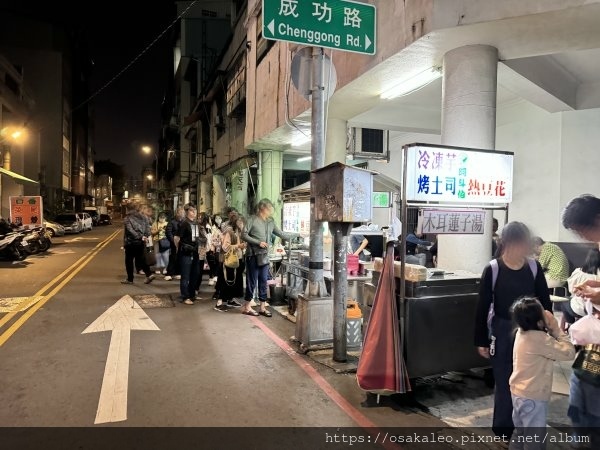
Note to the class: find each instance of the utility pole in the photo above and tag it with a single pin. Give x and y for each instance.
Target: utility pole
(316, 283)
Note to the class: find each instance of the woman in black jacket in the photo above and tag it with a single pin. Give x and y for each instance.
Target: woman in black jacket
(506, 279)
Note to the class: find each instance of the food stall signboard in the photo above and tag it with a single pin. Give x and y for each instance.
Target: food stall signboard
(455, 175)
(26, 211)
(445, 221)
(381, 199)
(296, 218)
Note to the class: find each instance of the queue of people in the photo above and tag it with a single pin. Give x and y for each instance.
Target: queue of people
(517, 331)
(234, 250)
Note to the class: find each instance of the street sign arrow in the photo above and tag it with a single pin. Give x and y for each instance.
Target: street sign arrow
(81, 239)
(120, 318)
(271, 27)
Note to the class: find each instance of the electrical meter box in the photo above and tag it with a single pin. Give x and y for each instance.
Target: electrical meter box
(343, 194)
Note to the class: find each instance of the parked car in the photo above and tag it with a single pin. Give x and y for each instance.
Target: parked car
(70, 221)
(55, 229)
(104, 220)
(93, 214)
(86, 219)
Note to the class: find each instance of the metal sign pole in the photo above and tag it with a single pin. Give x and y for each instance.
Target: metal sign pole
(316, 284)
(340, 231)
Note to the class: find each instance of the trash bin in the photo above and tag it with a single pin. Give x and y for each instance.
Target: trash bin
(277, 294)
(354, 320)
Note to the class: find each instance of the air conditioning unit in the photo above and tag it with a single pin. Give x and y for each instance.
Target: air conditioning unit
(369, 143)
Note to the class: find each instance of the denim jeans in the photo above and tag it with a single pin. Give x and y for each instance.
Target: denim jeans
(584, 410)
(529, 417)
(254, 274)
(190, 271)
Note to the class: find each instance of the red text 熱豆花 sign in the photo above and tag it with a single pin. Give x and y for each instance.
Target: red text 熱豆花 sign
(26, 211)
(455, 175)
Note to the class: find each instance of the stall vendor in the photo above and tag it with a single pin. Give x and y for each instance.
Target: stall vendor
(358, 244)
(414, 240)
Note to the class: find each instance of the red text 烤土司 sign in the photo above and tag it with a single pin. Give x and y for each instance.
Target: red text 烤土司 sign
(454, 175)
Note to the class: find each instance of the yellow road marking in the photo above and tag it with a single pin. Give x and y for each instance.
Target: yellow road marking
(17, 304)
(74, 269)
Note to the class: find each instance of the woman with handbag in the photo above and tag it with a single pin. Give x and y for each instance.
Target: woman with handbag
(162, 246)
(231, 282)
(504, 281)
(258, 234)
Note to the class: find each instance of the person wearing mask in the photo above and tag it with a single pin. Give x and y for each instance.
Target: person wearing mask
(231, 281)
(216, 246)
(553, 260)
(162, 248)
(582, 216)
(202, 248)
(188, 240)
(258, 233)
(539, 342)
(590, 270)
(137, 234)
(170, 233)
(504, 280)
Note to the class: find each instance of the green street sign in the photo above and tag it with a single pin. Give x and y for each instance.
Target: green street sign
(337, 24)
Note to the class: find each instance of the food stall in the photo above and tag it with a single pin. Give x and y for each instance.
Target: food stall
(437, 307)
(296, 219)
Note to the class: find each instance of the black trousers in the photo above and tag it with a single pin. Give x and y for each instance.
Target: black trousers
(135, 252)
(173, 267)
(212, 259)
(502, 366)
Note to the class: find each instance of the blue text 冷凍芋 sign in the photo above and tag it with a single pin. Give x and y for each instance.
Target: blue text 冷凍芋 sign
(455, 175)
(444, 221)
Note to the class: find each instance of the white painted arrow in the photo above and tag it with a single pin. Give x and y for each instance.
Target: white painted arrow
(271, 27)
(81, 239)
(62, 252)
(367, 42)
(120, 318)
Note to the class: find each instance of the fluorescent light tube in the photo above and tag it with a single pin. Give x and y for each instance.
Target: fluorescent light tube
(413, 83)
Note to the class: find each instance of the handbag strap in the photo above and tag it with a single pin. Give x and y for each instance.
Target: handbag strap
(229, 283)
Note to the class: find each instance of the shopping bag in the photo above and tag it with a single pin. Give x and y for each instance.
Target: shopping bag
(587, 329)
(587, 364)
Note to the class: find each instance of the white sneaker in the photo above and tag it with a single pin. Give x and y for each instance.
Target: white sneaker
(178, 277)
(168, 278)
(211, 282)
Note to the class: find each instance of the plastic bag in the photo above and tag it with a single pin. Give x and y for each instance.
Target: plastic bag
(587, 329)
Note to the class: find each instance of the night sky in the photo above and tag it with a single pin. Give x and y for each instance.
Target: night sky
(127, 113)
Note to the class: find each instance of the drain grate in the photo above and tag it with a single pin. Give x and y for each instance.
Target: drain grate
(149, 301)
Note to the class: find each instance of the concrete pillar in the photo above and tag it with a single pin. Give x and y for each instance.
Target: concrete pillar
(239, 191)
(218, 194)
(337, 136)
(270, 179)
(469, 120)
(206, 196)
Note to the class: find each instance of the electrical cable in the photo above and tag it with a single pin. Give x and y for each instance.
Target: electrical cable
(134, 60)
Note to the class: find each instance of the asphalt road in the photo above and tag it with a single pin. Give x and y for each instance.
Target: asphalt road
(201, 368)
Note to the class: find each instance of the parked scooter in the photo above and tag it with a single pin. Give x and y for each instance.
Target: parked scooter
(12, 247)
(37, 240)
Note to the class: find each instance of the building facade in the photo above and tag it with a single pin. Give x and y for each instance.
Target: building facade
(56, 65)
(19, 146)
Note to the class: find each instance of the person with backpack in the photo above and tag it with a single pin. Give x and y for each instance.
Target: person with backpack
(505, 280)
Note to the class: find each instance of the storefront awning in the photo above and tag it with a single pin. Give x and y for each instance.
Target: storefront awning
(18, 178)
